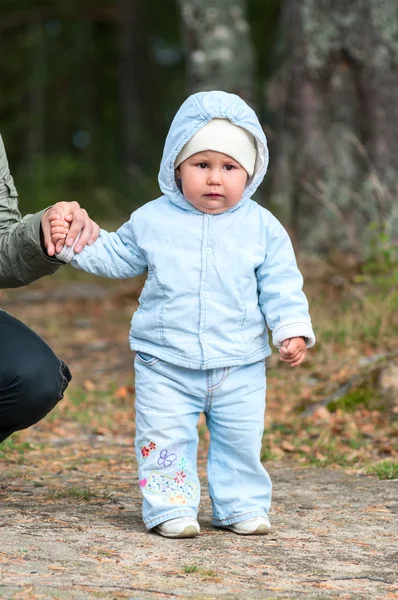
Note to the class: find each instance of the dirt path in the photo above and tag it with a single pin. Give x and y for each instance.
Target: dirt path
(70, 522)
(334, 536)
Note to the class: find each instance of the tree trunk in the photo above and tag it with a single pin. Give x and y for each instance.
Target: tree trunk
(218, 46)
(36, 102)
(131, 45)
(335, 100)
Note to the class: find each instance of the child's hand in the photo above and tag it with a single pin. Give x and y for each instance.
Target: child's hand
(293, 351)
(59, 228)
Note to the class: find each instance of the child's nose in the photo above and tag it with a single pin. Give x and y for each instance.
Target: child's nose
(214, 176)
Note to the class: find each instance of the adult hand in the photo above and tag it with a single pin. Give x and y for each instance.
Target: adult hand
(79, 222)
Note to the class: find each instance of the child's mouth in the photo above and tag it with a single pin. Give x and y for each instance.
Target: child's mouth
(213, 195)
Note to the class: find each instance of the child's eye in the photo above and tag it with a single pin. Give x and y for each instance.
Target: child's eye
(202, 165)
(229, 167)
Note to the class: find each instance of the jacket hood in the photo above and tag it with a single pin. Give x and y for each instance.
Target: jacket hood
(195, 113)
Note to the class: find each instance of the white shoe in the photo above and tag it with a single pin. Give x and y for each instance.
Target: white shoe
(256, 526)
(183, 527)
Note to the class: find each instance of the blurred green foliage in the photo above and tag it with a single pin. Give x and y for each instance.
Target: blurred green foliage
(61, 108)
(382, 254)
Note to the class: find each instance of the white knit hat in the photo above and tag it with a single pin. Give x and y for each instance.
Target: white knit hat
(221, 135)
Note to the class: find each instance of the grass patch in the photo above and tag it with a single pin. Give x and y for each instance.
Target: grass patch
(12, 444)
(361, 397)
(328, 453)
(365, 313)
(191, 569)
(205, 573)
(386, 469)
(209, 573)
(266, 454)
(97, 408)
(266, 451)
(14, 451)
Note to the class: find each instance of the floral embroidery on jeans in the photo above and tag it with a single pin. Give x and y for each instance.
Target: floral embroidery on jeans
(166, 459)
(147, 449)
(180, 477)
(177, 499)
(182, 463)
(158, 483)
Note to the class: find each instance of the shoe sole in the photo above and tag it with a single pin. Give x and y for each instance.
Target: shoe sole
(261, 530)
(189, 532)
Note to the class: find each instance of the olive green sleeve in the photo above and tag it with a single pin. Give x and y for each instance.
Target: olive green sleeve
(22, 259)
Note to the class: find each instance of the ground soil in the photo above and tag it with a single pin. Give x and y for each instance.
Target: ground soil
(334, 535)
(70, 519)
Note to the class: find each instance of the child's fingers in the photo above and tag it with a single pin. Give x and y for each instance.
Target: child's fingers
(58, 217)
(60, 223)
(290, 353)
(296, 361)
(301, 359)
(58, 236)
(55, 237)
(59, 230)
(295, 345)
(288, 360)
(291, 357)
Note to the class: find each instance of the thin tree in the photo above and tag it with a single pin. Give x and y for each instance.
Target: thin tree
(131, 46)
(218, 46)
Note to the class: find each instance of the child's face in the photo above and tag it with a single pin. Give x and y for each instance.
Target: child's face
(211, 181)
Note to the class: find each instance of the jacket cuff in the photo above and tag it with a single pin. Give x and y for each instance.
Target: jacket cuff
(293, 328)
(32, 227)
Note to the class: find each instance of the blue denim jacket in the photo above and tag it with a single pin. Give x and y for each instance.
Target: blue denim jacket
(214, 281)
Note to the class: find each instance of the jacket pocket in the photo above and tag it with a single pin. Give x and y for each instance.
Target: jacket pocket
(146, 359)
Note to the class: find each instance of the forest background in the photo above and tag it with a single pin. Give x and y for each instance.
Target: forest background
(87, 93)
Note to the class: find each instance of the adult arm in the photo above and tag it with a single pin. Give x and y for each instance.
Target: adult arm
(22, 259)
(280, 283)
(26, 250)
(116, 255)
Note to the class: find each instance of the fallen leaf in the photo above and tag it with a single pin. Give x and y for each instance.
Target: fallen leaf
(124, 391)
(287, 446)
(356, 542)
(89, 386)
(377, 508)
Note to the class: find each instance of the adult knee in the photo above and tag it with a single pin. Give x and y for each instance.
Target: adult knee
(36, 388)
(43, 387)
(32, 377)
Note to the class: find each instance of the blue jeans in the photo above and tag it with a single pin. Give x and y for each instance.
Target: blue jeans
(169, 400)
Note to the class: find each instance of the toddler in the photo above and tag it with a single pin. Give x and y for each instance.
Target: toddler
(221, 269)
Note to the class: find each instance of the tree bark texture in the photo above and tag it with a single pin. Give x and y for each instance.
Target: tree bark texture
(218, 46)
(335, 101)
(131, 50)
(36, 102)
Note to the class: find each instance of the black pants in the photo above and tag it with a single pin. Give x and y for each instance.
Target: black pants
(32, 378)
